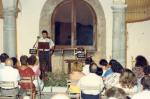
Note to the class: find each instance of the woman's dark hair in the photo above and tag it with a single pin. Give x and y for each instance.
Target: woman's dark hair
(103, 62)
(141, 61)
(24, 60)
(145, 81)
(116, 67)
(15, 60)
(32, 60)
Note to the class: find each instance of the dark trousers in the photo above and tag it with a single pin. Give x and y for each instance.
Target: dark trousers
(45, 61)
(88, 96)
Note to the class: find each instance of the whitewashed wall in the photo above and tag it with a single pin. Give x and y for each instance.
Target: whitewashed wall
(28, 30)
(1, 36)
(106, 4)
(28, 24)
(138, 40)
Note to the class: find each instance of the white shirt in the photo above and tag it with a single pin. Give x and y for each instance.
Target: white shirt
(112, 80)
(51, 43)
(2, 65)
(86, 69)
(91, 84)
(142, 95)
(8, 73)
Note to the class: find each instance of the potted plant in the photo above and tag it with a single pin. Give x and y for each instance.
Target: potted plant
(56, 80)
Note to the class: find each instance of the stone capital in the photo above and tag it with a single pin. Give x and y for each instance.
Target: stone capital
(118, 1)
(118, 7)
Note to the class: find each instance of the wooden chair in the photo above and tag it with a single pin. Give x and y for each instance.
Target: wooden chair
(8, 85)
(28, 80)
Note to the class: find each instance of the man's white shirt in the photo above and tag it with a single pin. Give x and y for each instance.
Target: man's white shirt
(91, 80)
(8, 73)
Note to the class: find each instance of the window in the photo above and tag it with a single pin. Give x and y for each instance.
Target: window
(74, 25)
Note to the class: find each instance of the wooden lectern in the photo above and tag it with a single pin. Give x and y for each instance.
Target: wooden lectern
(43, 45)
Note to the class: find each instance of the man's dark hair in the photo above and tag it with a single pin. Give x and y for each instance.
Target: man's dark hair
(44, 31)
(145, 81)
(103, 62)
(24, 60)
(3, 57)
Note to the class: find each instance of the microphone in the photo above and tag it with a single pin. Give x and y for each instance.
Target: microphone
(38, 37)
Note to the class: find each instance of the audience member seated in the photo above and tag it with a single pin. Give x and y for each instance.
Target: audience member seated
(140, 63)
(113, 79)
(99, 71)
(26, 71)
(147, 70)
(128, 82)
(8, 73)
(75, 76)
(33, 64)
(86, 67)
(106, 67)
(3, 58)
(115, 93)
(145, 94)
(91, 85)
(15, 62)
(60, 96)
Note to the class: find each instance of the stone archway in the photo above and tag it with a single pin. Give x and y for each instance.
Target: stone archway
(46, 16)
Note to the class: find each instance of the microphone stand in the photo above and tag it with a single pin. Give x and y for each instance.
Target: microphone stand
(34, 46)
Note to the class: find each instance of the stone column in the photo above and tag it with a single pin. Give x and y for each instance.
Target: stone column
(118, 36)
(9, 27)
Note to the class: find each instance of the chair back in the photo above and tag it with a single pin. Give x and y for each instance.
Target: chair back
(8, 86)
(29, 81)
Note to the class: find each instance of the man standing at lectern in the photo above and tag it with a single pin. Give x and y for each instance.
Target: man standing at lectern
(46, 52)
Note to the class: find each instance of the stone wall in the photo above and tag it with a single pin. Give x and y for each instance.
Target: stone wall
(58, 57)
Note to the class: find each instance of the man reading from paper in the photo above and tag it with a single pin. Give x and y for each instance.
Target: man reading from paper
(45, 50)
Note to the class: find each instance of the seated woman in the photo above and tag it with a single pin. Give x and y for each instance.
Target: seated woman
(33, 64)
(128, 82)
(75, 76)
(113, 79)
(26, 71)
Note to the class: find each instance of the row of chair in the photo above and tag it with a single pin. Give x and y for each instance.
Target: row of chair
(11, 84)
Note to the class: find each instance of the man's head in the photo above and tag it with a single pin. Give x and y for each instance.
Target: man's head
(103, 63)
(44, 34)
(3, 57)
(145, 81)
(9, 62)
(93, 68)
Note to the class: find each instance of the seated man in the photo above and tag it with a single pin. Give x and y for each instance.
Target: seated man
(8, 73)
(91, 85)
